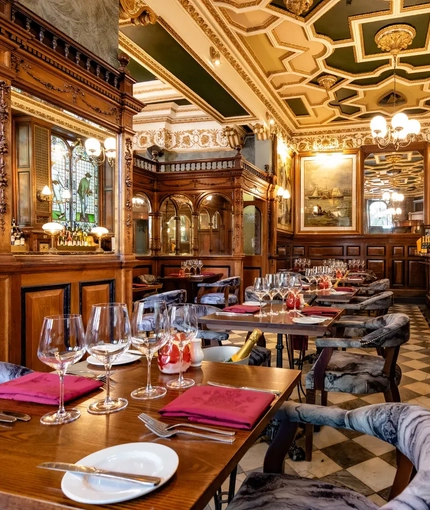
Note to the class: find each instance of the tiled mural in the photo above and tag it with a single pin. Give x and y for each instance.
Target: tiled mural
(93, 24)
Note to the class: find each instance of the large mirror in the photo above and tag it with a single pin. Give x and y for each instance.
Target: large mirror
(215, 225)
(394, 191)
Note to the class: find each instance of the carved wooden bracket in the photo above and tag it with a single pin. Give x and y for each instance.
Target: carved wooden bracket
(4, 149)
(137, 12)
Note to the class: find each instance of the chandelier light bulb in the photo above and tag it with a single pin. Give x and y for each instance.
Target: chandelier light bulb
(414, 127)
(286, 194)
(93, 147)
(398, 210)
(386, 196)
(399, 121)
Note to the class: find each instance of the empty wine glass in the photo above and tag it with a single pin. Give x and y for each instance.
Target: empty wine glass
(284, 288)
(272, 289)
(107, 337)
(183, 329)
(260, 290)
(62, 343)
(149, 333)
(295, 287)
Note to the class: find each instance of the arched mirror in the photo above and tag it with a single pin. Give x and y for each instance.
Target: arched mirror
(141, 224)
(394, 191)
(252, 230)
(176, 225)
(215, 225)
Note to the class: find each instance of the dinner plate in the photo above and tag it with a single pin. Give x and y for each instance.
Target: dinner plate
(125, 358)
(309, 320)
(254, 303)
(139, 458)
(340, 292)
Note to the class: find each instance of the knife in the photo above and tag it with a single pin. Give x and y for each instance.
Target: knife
(265, 390)
(90, 470)
(16, 415)
(7, 419)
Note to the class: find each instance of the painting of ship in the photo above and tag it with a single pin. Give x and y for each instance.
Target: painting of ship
(336, 193)
(315, 195)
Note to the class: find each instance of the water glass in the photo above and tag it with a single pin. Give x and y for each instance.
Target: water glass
(260, 290)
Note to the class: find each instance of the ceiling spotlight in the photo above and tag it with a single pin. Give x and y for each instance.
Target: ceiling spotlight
(215, 56)
(298, 7)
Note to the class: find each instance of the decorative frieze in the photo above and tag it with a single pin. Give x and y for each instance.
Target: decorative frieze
(188, 139)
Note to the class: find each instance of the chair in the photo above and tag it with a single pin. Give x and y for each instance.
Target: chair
(170, 297)
(9, 371)
(377, 304)
(207, 335)
(374, 287)
(355, 373)
(405, 426)
(222, 293)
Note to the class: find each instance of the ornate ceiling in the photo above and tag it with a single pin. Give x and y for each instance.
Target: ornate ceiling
(274, 63)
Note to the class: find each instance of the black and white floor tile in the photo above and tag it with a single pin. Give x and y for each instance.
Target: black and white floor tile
(346, 457)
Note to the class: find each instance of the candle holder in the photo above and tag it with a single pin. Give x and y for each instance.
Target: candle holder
(99, 232)
(53, 229)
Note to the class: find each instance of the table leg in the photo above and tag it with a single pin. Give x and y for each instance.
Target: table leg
(279, 349)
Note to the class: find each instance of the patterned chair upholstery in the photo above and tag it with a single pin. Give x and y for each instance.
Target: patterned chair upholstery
(209, 336)
(374, 287)
(222, 293)
(170, 297)
(9, 371)
(378, 304)
(405, 426)
(352, 372)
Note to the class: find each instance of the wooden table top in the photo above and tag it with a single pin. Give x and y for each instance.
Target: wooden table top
(281, 323)
(199, 278)
(203, 465)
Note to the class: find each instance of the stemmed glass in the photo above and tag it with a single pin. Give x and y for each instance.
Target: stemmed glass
(62, 343)
(108, 336)
(260, 290)
(183, 329)
(150, 332)
(295, 287)
(284, 288)
(273, 289)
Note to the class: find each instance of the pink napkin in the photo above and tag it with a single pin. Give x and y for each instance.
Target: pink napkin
(242, 309)
(325, 311)
(227, 407)
(44, 388)
(344, 289)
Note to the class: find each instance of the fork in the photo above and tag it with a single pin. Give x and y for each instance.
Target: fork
(160, 432)
(166, 427)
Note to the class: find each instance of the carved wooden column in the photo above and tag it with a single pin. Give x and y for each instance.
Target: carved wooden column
(238, 222)
(155, 241)
(195, 234)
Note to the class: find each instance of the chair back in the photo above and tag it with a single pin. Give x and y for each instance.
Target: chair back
(170, 297)
(379, 303)
(390, 330)
(225, 292)
(9, 371)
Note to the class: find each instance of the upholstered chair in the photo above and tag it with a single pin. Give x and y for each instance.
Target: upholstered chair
(222, 293)
(377, 304)
(405, 426)
(208, 336)
(170, 297)
(9, 371)
(374, 288)
(356, 373)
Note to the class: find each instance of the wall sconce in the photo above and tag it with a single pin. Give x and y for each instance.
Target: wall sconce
(44, 195)
(261, 132)
(99, 232)
(96, 151)
(53, 229)
(215, 56)
(286, 195)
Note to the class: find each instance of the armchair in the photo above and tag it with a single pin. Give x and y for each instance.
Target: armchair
(378, 304)
(222, 293)
(405, 426)
(9, 371)
(374, 287)
(355, 373)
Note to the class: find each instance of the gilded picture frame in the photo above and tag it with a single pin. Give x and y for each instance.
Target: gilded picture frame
(284, 171)
(328, 193)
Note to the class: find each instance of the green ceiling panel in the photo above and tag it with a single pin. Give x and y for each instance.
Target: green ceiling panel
(161, 46)
(297, 106)
(417, 60)
(339, 29)
(138, 72)
(348, 109)
(343, 59)
(400, 72)
(345, 93)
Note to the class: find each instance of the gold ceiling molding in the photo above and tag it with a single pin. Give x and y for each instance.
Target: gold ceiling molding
(298, 7)
(327, 81)
(185, 140)
(167, 119)
(137, 12)
(395, 38)
(330, 142)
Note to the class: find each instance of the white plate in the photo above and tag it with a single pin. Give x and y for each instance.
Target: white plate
(125, 358)
(254, 303)
(309, 320)
(340, 292)
(139, 458)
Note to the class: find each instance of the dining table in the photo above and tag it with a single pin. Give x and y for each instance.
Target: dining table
(338, 296)
(188, 282)
(203, 464)
(287, 324)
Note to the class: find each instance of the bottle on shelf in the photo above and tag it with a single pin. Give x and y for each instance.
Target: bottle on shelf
(22, 239)
(246, 348)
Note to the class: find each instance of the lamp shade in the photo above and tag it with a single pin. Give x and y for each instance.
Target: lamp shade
(386, 195)
(286, 194)
(99, 231)
(93, 147)
(46, 191)
(414, 127)
(52, 227)
(399, 121)
(110, 145)
(378, 125)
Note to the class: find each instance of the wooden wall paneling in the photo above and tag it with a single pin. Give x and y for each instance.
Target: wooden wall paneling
(325, 251)
(376, 251)
(412, 251)
(353, 251)
(250, 272)
(378, 266)
(417, 274)
(398, 273)
(398, 251)
(36, 303)
(298, 251)
(91, 293)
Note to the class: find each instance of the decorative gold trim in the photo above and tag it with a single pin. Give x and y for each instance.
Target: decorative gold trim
(395, 38)
(327, 81)
(298, 7)
(137, 11)
(190, 139)
(128, 181)
(4, 150)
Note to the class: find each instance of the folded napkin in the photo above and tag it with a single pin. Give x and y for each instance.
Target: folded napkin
(44, 388)
(207, 274)
(325, 311)
(242, 309)
(227, 407)
(344, 289)
(140, 285)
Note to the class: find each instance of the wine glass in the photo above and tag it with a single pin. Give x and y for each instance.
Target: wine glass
(260, 289)
(183, 329)
(107, 337)
(284, 288)
(62, 342)
(295, 287)
(272, 290)
(149, 333)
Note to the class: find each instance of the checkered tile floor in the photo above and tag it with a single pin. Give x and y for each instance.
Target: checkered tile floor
(346, 457)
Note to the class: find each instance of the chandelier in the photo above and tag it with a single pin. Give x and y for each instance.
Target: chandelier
(402, 130)
(298, 7)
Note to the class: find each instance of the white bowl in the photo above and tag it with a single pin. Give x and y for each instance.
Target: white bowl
(222, 354)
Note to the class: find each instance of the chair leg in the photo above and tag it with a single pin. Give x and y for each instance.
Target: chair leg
(393, 394)
(309, 428)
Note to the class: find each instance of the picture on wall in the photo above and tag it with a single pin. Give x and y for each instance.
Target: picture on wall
(284, 180)
(328, 193)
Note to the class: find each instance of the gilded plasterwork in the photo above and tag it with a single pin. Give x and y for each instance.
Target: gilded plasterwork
(186, 140)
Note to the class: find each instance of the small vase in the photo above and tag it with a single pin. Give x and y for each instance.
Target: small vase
(196, 352)
(168, 359)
